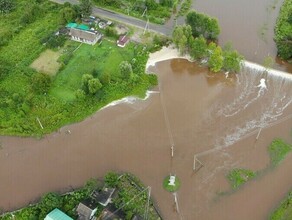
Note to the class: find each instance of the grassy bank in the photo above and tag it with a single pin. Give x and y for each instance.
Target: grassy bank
(284, 211)
(283, 30)
(28, 96)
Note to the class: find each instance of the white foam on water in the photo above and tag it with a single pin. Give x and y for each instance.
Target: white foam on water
(129, 99)
(261, 97)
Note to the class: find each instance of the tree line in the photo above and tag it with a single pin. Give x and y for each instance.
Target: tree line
(197, 39)
(283, 31)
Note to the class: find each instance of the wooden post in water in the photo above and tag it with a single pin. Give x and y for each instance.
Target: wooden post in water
(194, 166)
(259, 133)
(39, 122)
(196, 160)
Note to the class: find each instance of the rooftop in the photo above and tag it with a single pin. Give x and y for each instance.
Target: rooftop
(78, 26)
(57, 214)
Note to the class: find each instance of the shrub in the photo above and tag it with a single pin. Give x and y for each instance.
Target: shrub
(111, 179)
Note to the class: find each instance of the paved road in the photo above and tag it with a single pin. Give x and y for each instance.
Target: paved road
(162, 29)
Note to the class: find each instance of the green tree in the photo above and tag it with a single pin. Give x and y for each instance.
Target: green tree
(49, 202)
(182, 36)
(167, 3)
(68, 14)
(85, 79)
(283, 31)
(94, 85)
(80, 94)
(6, 6)
(85, 7)
(176, 34)
(215, 62)
(204, 25)
(198, 48)
(232, 59)
(41, 82)
(111, 179)
(126, 70)
(111, 32)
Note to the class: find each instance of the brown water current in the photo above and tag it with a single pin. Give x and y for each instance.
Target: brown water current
(248, 25)
(211, 115)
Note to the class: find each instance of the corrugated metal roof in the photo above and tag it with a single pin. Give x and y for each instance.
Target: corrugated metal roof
(56, 214)
(83, 27)
(72, 25)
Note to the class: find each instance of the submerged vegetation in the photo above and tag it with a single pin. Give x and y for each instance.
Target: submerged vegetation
(278, 150)
(283, 31)
(30, 98)
(171, 188)
(284, 211)
(239, 176)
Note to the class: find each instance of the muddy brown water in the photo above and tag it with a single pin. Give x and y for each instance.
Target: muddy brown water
(248, 25)
(214, 117)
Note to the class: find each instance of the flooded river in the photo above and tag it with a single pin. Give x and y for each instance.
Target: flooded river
(248, 25)
(213, 116)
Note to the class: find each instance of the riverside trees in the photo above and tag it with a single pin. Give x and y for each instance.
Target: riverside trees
(192, 39)
(283, 31)
(203, 25)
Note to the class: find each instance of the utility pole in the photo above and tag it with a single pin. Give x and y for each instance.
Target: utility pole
(259, 134)
(39, 123)
(146, 26)
(148, 203)
(144, 12)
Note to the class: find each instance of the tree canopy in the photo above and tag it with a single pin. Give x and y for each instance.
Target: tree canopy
(7, 6)
(283, 31)
(204, 25)
(85, 7)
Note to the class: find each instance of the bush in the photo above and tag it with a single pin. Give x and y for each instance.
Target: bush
(6, 6)
(278, 149)
(111, 179)
(41, 82)
(111, 32)
(238, 177)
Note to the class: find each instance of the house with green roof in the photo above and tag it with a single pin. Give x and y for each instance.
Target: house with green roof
(83, 34)
(57, 214)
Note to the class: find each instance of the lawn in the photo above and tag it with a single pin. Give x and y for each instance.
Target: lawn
(87, 60)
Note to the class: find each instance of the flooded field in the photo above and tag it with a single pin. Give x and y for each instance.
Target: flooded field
(213, 116)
